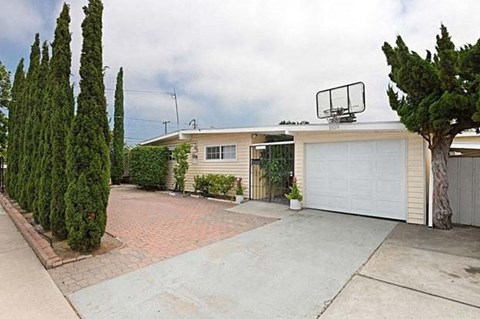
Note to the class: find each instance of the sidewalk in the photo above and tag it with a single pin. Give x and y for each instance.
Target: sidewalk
(26, 289)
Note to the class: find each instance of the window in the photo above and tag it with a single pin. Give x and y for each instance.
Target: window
(221, 152)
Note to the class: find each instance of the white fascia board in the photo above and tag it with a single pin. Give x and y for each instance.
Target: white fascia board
(160, 138)
(349, 127)
(287, 129)
(470, 146)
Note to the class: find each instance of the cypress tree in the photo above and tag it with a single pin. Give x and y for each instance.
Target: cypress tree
(88, 161)
(15, 130)
(118, 132)
(62, 109)
(28, 143)
(5, 98)
(37, 136)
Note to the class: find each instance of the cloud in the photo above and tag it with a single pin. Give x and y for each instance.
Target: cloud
(251, 62)
(18, 20)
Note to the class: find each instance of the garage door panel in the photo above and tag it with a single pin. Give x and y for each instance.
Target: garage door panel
(338, 185)
(338, 202)
(363, 169)
(389, 146)
(361, 188)
(315, 184)
(362, 206)
(389, 190)
(361, 177)
(336, 169)
(362, 149)
(336, 150)
(390, 209)
(389, 167)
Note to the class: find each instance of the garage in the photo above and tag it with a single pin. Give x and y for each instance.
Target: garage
(358, 177)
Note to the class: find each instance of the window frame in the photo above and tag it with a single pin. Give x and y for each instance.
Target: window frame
(221, 159)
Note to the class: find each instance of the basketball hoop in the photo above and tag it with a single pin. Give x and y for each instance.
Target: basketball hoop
(341, 104)
(334, 122)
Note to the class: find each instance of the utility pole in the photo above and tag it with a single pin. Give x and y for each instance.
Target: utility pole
(174, 96)
(166, 123)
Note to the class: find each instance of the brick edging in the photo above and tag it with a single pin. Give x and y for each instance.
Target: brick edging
(37, 242)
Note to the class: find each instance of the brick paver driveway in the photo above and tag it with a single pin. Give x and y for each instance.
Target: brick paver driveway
(153, 226)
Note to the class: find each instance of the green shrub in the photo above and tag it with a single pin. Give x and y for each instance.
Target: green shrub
(213, 184)
(225, 184)
(201, 184)
(180, 154)
(148, 166)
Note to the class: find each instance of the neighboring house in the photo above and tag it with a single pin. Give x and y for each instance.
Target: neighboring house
(373, 169)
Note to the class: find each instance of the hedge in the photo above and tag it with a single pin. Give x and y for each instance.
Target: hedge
(214, 184)
(148, 166)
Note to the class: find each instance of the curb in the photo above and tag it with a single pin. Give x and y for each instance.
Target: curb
(37, 242)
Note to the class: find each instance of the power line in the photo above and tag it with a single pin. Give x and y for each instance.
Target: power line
(172, 94)
(135, 138)
(146, 120)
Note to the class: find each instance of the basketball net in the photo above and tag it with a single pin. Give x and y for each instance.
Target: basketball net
(334, 122)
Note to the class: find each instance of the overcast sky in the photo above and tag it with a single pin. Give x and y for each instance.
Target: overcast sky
(241, 63)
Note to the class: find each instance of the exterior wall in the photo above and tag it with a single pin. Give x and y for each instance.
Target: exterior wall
(199, 166)
(416, 175)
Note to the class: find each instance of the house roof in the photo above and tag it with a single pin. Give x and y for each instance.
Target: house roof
(393, 126)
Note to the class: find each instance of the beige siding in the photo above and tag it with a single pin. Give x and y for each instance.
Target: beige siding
(416, 178)
(200, 166)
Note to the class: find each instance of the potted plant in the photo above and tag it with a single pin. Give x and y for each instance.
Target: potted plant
(294, 196)
(238, 191)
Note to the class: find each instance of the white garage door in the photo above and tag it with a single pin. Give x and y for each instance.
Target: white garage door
(359, 177)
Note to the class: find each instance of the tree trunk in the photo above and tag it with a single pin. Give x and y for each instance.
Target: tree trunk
(442, 213)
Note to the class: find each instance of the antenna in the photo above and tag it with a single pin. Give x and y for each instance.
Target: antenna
(194, 121)
(166, 123)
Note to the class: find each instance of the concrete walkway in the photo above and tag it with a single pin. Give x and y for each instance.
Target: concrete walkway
(262, 209)
(288, 269)
(26, 289)
(416, 273)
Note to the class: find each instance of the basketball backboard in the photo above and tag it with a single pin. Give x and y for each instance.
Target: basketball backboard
(341, 102)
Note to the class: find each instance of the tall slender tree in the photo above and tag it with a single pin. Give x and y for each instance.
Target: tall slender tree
(440, 99)
(61, 111)
(5, 98)
(28, 144)
(118, 133)
(88, 160)
(15, 130)
(37, 151)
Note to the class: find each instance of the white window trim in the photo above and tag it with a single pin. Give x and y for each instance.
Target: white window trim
(221, 160)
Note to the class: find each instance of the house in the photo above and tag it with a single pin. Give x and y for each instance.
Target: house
(374, 169)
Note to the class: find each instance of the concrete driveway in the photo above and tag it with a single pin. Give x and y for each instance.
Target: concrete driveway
(290, 268)
(416, 273)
